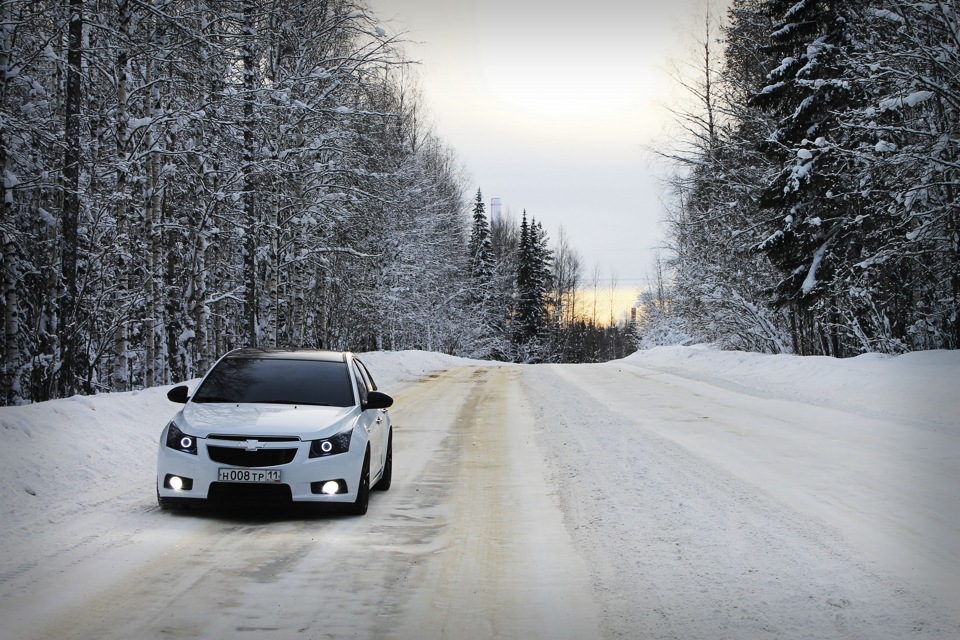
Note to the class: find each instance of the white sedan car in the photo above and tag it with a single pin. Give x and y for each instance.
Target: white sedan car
(274, 427)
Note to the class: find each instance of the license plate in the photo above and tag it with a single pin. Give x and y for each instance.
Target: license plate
(267, 476)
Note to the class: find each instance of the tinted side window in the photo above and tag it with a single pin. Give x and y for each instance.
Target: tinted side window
(362, 388)
(276, 381)
(366, 375)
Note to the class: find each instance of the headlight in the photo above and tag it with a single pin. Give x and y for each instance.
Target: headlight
(339, 443)
(180, 441)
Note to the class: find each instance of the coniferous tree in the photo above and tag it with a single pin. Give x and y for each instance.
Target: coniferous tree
(532, 282)
(542, 264)
(526, 317)
(845, 114)
(480, 249)
(485, 329)
(814, 205)
(504, 243)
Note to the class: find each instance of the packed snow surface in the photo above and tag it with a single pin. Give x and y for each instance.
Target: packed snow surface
(682, 492)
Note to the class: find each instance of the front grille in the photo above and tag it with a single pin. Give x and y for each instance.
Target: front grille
(258, 494)
(235, 438)
(243, 458)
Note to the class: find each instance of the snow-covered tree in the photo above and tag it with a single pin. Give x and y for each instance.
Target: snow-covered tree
(813, 206)
(719, 281)
(532, 287)
(235, 172)
(903, 291)
(815, 209)
(480, 249)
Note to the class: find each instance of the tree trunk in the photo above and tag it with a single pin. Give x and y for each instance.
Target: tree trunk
(273, 268)
(69, 338)
(152, 213)
(9, 385)
(249, 201)
(11, 322)
(121, 369)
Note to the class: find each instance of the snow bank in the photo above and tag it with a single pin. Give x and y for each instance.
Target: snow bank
(918, 386)
(65, 456)
(68, 456)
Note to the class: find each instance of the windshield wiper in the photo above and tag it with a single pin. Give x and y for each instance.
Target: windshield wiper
(296, 402)
(214, 399)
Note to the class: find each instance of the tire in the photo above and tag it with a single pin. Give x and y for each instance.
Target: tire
(387, 478)
(166, 504)
(176, 504)
(359, 506)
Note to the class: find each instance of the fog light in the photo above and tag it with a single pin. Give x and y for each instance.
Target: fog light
(330, 488)
(176, 483)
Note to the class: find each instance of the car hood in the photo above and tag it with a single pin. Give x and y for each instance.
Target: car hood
(303, 421)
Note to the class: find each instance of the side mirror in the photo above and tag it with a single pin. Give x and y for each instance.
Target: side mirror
(378, 400)
(179, 394)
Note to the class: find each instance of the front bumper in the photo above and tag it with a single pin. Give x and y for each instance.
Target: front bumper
(303, 475)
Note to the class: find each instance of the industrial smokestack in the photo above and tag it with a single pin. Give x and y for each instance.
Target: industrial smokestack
(494, 210)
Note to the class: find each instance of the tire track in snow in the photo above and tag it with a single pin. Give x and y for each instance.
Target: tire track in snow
(679, 548)
(506, 568)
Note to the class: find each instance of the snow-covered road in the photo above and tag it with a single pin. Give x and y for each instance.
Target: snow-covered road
(710, 514)
(665, 496)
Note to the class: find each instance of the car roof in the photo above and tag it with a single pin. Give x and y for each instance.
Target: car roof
(289, 354)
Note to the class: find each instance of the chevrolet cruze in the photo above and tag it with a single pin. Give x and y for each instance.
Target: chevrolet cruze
(274, 427)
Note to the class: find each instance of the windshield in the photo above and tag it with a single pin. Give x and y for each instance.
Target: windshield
(277, 381)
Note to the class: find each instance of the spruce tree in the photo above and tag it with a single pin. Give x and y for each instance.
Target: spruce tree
(482, 336)
(533, 274)
(525, 315)
(480, 248)
(821, 218)
(813, 205)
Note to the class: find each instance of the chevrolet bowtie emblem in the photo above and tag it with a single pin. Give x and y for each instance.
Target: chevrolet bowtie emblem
(252, 445)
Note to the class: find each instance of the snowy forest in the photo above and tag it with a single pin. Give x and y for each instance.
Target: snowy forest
(814, 206)
(185, 177)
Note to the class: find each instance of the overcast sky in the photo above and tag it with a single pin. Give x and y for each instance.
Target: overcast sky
(549, 105)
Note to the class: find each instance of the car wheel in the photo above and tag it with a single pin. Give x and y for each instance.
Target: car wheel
(387, 478)
(359, 507)
(166, 504)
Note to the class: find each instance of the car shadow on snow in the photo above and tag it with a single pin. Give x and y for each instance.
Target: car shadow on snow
(259, 513)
